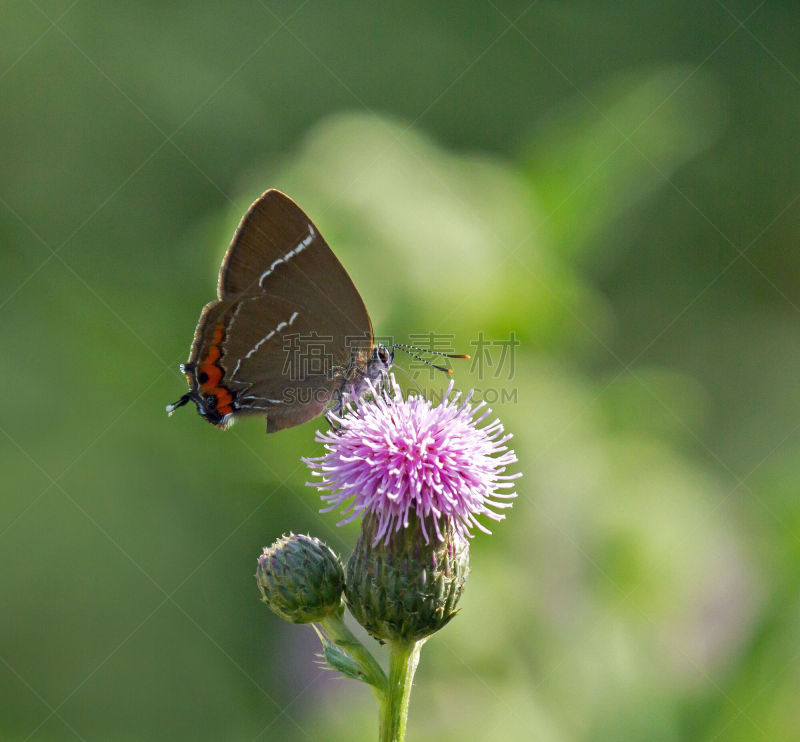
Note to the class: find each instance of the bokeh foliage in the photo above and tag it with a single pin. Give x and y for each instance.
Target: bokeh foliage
(615, 183)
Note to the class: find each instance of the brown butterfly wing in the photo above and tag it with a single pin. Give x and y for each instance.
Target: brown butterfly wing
(277, 249)
(285, 300)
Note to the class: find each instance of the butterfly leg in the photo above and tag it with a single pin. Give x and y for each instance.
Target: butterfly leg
(336, 411)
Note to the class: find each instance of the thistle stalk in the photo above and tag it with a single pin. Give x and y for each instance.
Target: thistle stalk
(403, 660)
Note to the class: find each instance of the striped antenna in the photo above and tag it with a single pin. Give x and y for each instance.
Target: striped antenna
(409, 349)
(405, 346)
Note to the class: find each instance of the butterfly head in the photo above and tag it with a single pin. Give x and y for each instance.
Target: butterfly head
(380, 363)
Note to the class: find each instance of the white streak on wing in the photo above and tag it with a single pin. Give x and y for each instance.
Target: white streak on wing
(263, 340)
(251, 400)
(289, 255)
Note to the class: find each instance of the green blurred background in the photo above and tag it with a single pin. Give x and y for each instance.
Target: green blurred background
(614, 182)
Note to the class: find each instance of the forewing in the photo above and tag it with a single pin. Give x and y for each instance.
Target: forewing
(278, 250)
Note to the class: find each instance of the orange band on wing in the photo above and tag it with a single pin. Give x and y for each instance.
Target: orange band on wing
(214, 373)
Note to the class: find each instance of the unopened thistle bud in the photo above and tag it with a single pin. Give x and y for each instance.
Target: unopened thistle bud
(300, 579)
(404, 588)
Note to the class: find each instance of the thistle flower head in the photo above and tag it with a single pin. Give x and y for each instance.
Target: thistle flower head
(394, 457)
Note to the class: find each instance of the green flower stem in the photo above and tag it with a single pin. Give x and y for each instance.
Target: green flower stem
(339, 634)
(403, 660)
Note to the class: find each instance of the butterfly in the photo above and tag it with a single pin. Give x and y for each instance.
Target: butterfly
(288, 335)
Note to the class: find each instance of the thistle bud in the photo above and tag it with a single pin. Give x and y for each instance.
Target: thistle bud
(300, 579)
(402, 588)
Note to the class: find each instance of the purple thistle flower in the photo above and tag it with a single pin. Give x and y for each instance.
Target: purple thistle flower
(393, 457)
